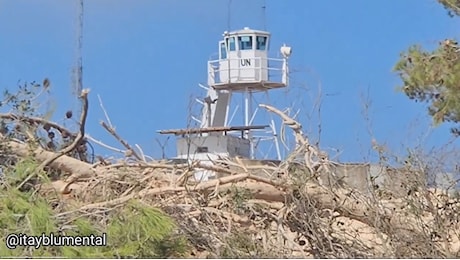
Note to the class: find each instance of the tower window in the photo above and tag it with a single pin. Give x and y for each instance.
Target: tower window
(223, 50)
(231, 43)
(261, 43)
(202, 149)
(245, 42)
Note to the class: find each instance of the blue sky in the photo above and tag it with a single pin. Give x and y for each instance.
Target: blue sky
(145, 59)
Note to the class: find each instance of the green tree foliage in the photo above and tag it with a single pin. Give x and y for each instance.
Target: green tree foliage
(134, 230)
(433, 76)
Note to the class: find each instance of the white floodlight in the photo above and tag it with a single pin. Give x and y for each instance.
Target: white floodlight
(286, 51)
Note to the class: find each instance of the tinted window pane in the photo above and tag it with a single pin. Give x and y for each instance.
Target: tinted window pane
(231, 43)
(245, 42)
(261, 43)
(223, 51)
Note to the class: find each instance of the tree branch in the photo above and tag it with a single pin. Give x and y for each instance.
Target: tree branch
(72, 146)
(123, 142)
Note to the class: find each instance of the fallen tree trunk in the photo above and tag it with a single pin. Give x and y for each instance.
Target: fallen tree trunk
(352, 206)
(63, 163)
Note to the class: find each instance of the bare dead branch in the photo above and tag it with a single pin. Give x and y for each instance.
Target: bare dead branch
(105, 111)
(77, 141)
(37, 121)
(104, 145)
(111, 130)
(142, 152)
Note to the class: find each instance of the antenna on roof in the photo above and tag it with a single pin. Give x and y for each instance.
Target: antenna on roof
(264, 17)
(229, 15)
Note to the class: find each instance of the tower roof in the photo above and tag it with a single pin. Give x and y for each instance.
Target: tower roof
(246, 30)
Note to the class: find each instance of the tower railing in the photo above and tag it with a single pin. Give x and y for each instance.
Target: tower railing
(275, 69)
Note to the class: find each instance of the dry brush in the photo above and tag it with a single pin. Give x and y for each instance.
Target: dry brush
(285, 212)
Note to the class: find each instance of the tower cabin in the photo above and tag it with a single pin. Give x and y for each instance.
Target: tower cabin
(243, 67)
(243, 63)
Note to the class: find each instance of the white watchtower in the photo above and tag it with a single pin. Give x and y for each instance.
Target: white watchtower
(243, 63)
(243, 68)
